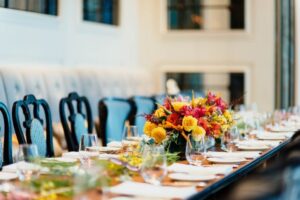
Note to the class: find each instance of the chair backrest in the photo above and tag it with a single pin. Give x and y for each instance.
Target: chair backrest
(113, 113)
(6, 149)
(33, 124)
(141, 105)
(76, 117)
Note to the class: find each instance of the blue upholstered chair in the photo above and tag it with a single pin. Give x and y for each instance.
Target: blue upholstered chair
(6, 147)
(113, 113)
(34, 124)
(141, 105)
(74, 112)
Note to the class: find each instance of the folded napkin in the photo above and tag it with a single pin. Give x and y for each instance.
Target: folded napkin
(12, 168)
(147, 190)
(6, 176)
(270, 136)
(106, 156)
(115, 144)
(200, 170)
(236, 154)
(255, 143)
(279, 134)
(78, 155)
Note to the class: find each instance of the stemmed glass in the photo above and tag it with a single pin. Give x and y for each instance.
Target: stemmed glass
(88, 148)
(27, 162)
(195, 151)
(154, 164)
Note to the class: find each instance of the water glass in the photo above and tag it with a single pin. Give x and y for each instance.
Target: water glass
(195, 151)
(88, 148)
(27, 162)
(130, 133)
(231, 137)
(154, 164)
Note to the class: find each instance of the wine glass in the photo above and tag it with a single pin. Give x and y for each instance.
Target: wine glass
(88, 148)
(27, 162)
(154, 164)
(195, 151)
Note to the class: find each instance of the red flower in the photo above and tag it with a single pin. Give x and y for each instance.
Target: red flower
(175, 119)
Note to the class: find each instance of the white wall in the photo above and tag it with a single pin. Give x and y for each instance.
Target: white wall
(29, 38)
(255, 49)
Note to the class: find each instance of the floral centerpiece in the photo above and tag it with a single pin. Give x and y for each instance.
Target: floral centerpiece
(171, 122)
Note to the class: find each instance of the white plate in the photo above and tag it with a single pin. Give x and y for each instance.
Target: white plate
(5, 176)
(190, 177)
(270, 137)
(253, 148)
(62, 159)
(226, 160)
(109, 149)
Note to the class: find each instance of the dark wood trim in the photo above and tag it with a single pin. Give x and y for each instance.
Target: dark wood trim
(236, 175)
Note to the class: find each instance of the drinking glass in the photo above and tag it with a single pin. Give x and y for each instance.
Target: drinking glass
(88, 148)
(195, 151)
(27, 162)
(231, 137)
(130, 133)
(154, 164)
(130, 138)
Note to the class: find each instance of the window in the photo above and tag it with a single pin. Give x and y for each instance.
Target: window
(230, 85)
(206, 14)
(101, 11)
(48, 7)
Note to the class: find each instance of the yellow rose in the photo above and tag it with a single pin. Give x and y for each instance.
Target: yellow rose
(225, 127)
(158, 134)
(198, 133)
(178, 105)
(148, 127)
(160, 112)
(200, 101)
(189, 123)
(228, 115)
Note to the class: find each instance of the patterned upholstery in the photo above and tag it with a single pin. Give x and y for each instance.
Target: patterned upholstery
(34, 83)
(88, 79)
(142, 105)
(113, 112)
(72, 81)
(74, 112)
(37, 136)
(14, 85)
(33, 124)
(56, 89)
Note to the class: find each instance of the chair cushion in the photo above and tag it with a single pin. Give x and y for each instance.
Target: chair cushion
(118, 112)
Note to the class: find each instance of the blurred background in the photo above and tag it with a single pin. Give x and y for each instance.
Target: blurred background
(243, 49)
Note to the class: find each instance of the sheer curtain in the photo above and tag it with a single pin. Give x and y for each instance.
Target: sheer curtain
(285, 53)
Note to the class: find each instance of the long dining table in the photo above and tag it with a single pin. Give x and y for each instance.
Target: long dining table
(204, 189)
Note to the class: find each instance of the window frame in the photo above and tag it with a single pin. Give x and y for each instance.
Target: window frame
(164, 29)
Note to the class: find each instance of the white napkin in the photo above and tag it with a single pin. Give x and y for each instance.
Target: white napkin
(5, 176)
(199, 170)
(114, 144)
(284, 134)
(236, 154)
(147, 190)
(78, 155)
(270, 136)
(12, 168)
(106, 156)
(255, 143)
